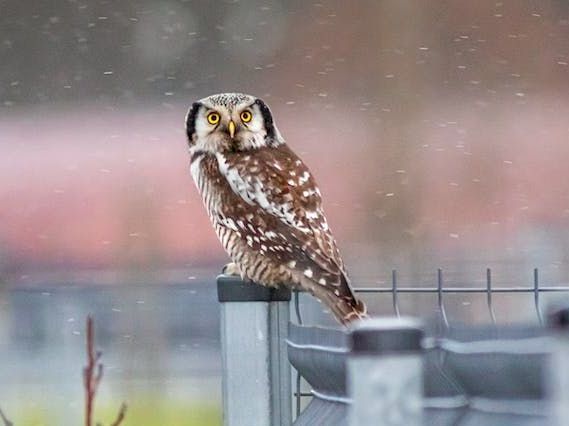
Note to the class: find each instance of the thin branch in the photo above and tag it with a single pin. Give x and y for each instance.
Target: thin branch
(120, 416)
(5, 419)
(90, 380)
(92, 376)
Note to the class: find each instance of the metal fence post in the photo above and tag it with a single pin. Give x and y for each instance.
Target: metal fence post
(256, 371)
(385, 373)
(558, 369)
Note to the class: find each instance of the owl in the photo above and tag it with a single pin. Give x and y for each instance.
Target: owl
(264, 203)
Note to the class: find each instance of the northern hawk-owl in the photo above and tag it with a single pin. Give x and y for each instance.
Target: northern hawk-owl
(264, 203)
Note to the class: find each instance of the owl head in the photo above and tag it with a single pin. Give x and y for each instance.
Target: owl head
(231, 122)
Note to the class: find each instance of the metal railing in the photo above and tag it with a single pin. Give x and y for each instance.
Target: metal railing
(535, 288)
(254, 340)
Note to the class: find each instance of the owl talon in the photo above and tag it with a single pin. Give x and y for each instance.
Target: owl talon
(231, 269)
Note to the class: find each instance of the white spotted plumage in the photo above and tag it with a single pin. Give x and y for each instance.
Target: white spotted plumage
(264, 203)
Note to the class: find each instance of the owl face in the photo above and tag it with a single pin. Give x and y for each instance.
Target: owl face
(230, 122)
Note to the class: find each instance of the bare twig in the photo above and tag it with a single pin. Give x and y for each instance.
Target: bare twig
(5, 419)
(120, 416)
(92, 376)
(92, 372)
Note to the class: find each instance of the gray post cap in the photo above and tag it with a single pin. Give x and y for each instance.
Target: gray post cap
(231, 288)
(387, 335)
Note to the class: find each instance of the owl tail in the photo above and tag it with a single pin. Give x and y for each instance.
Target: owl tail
(347, 310)
(345, 307)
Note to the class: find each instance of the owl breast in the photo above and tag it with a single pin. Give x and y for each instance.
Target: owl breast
(240, 228)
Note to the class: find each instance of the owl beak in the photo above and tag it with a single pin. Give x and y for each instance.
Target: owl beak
(231, 128)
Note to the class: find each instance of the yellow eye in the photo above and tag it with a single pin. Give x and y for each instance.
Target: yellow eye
(213, 118)
(246, 116)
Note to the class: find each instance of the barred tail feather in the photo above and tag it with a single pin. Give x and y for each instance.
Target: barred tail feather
(358, 311)
(346, 308)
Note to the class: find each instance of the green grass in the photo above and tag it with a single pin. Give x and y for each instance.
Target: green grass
(141, 412)
(151, 412)
(32, 416)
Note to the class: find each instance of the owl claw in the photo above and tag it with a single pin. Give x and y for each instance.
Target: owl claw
(231, 269)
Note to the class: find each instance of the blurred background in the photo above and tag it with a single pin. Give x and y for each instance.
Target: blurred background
(438, 132)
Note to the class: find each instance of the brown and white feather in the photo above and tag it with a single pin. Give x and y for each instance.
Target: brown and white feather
(266, 209)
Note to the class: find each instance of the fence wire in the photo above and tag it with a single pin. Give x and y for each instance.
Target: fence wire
(534, 289)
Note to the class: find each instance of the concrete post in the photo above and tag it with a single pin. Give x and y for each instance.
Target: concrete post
(256, 371)
(385, 373)
(558, 366)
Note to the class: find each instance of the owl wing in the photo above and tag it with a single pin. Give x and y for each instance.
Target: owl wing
(278, 183)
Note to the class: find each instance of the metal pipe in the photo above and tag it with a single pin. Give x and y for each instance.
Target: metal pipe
(256, 380)
(385, 373)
